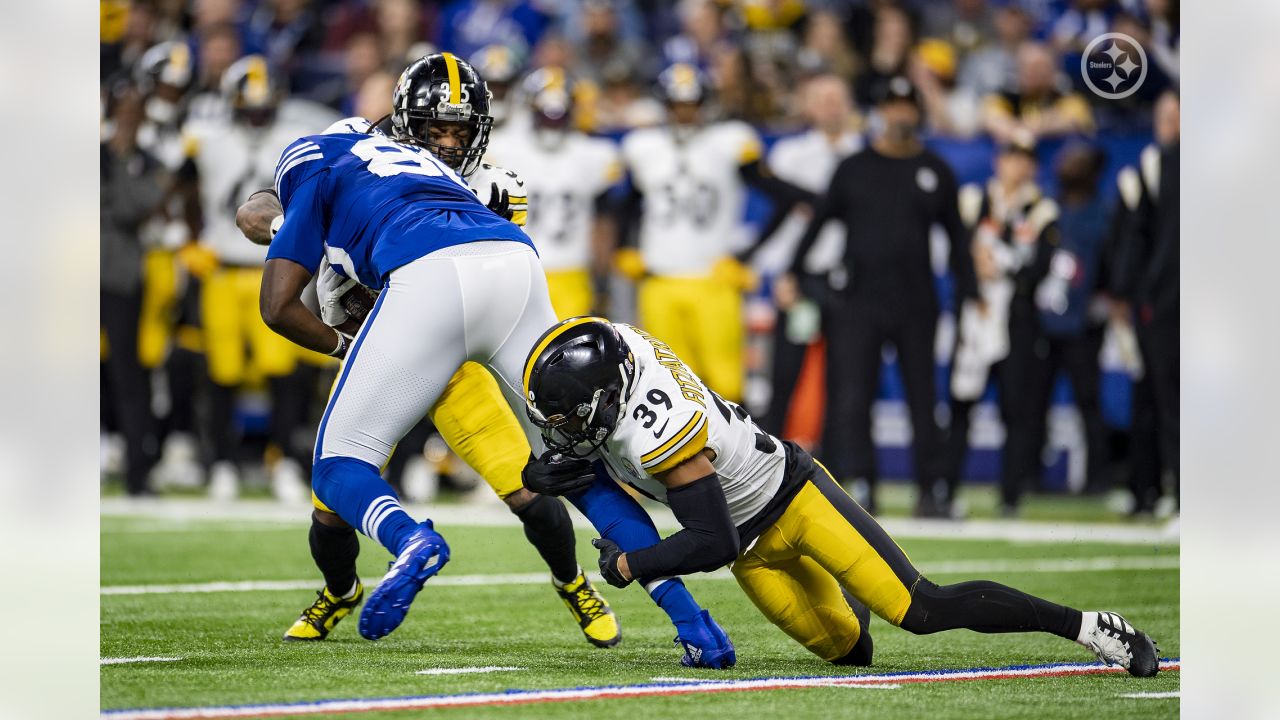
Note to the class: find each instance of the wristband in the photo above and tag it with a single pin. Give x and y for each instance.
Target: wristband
(341, 349)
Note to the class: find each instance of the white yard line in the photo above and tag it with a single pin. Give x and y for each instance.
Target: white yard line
(683, 687)
(159, 516)
(1153, 695)
(467, 670)
(952, 567)
(125, 661)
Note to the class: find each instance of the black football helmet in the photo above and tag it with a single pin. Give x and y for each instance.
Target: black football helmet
(253, 90)
(577, 380)
(443, 88)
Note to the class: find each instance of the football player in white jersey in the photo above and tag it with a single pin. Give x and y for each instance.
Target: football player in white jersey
(574, 175)
(690, 178)
(802, 550)
(228, 161)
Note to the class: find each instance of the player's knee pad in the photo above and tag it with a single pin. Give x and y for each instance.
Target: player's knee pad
(544, 515)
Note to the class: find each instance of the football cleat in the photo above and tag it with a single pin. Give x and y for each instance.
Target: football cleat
(424, 554)
(316, 621)
(708, 646)
(1116, 642)
(592, 612)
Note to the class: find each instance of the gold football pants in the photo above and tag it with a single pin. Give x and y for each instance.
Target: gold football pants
(571, 292)
(233, 325)
(823, 543)
(476, 421)
(701, 319)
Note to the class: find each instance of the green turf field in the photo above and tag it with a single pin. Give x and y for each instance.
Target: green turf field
(230, 651)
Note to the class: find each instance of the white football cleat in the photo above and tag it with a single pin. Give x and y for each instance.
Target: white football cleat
(287, 483)
(224, 482)
(1116, 642)
(179, 465)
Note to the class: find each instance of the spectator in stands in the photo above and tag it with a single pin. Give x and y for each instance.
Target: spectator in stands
(807, 161)
(1038, 106)
(132, 189)
(889, 197)
(993, 68)
(890, 51)
(1165, 42)
(965, 24)
(400, 30)
(740, 91)
(219, 48)
(701, 28)
(1147, 272)
(1013, 228)
(1073, 308)
(1083, 21)
(826, 48)
(601, 41)
(949, 110)
(284, 31)
(373, 101)
(466, 26)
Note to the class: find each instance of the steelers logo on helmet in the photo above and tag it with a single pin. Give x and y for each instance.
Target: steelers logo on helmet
(252, 90)
(576, 383)
(442, 104)
(164, 74)
(549, 94)
(683, 83)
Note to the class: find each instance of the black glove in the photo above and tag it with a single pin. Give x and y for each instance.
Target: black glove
(610, 553)
(499, 203)
(555, 474)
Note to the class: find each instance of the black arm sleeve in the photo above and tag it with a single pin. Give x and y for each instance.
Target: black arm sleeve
(708, 541)
(756, 174)
(823, 211)
(628, 212)
(958, 236)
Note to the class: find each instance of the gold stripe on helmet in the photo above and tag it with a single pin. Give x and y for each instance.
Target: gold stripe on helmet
(455, 82)
(256, 89)
(556, 332)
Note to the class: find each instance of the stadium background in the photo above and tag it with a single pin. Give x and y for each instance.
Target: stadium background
(748, 48)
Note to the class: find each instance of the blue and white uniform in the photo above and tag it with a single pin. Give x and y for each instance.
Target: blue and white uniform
(458, 283)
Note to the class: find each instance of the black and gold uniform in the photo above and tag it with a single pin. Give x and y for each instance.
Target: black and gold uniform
(806, 554)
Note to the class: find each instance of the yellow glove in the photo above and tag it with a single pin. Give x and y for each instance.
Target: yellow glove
(629, 262)
(199, 260)
(734, 274)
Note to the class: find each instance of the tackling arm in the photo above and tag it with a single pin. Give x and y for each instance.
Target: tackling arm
(280, 302)
(707, 541)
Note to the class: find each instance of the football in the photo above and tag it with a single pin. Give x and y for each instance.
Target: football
(358, 302)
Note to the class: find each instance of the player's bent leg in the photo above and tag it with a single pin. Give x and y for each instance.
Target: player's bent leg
(803, 600)
(618, 517)
(850, 544)
(334, 548)
(398, 365)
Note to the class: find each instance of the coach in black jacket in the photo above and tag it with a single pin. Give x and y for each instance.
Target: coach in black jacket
(888, 196)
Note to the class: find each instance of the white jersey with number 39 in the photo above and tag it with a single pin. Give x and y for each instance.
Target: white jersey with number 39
(670, 416)
(693, 196)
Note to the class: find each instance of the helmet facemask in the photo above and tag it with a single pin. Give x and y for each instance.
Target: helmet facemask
(413, 126)
(583, 428)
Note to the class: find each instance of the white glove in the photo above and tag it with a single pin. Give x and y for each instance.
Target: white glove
(330, 287)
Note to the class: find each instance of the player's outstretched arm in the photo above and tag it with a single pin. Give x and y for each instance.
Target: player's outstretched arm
(255, 216)
(280, 302)
(708, 540)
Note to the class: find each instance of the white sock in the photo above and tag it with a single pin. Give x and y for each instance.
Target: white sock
(352, 592)
(1088, 623)
(560, 585)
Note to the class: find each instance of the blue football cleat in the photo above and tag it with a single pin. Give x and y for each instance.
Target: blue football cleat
(425, 552)
(707, 647)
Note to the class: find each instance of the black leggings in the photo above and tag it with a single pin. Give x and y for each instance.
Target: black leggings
(986, 607)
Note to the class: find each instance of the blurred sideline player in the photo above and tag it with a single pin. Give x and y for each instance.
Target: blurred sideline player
(574, 173)
(690, 178)
(227, 162)
(474, 416)
(499, 65)
(168, 330)
(806, 160)
(809, 557)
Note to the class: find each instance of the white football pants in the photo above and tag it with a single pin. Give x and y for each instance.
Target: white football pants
(483, 301)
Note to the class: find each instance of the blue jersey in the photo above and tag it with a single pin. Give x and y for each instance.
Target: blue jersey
(368, 205)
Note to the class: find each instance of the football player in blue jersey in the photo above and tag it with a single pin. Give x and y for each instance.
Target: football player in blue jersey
(390, 215)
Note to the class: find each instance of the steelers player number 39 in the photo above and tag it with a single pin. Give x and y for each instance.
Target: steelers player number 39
(648, 417)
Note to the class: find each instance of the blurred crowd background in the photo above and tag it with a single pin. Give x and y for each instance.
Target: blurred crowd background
(1067, 208)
